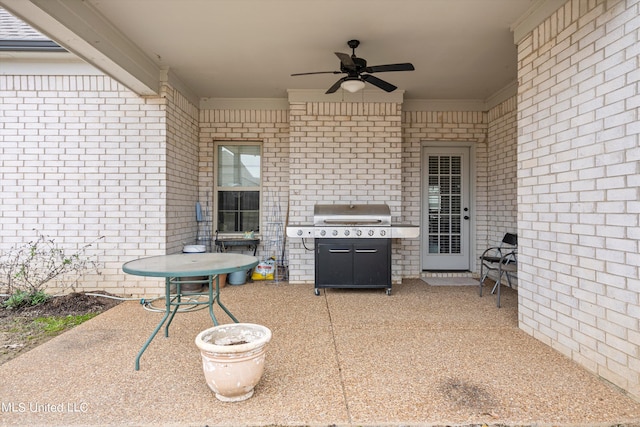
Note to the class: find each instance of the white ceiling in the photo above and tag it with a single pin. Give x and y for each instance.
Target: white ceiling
(461, 49)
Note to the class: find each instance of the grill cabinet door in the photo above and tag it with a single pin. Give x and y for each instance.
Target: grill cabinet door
(334, 263)
(371, 265)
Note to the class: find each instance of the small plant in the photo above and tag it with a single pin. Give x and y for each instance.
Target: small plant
(38, 298)
(22, 298)
(26, 271)
(16, 300)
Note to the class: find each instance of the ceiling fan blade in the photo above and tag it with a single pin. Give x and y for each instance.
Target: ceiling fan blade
(335, 86)
(346, 60)
(390, 67)
(386, 86)
(317, 72)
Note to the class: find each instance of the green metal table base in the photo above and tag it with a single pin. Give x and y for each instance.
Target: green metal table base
(176, 302)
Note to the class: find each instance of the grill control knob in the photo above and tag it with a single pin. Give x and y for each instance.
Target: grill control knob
(323, 232)
(371, 232)
(358, 232)
(383, 233)
(299, 233)
(334, 232)
(346, 232)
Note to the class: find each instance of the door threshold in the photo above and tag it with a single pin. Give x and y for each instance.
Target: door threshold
(447, 273)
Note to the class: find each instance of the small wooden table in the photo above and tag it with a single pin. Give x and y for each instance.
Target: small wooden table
(174, 268)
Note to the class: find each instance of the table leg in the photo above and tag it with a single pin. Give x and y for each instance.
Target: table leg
(498, 284)
(175, 310)
(155, 331)
(226, 310)
(212, 298)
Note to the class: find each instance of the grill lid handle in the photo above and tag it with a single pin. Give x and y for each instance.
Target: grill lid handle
(342, 222)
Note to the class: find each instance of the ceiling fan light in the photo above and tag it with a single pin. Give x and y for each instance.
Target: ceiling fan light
(352, 85)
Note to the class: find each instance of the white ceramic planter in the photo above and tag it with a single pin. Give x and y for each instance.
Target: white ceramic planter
(233, 358)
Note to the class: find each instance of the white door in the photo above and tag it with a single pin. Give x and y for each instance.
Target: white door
(445, 209)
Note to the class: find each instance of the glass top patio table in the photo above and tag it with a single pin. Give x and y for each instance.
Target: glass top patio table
(175, 268)
(191, 264)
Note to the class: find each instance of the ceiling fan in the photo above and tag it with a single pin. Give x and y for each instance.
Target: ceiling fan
(357, 72)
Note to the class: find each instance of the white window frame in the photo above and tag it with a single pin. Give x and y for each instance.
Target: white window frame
(217, 188)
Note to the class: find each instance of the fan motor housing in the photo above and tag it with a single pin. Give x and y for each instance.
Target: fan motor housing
(361, 64)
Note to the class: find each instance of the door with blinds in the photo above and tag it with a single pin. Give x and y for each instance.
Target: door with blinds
(445, 209)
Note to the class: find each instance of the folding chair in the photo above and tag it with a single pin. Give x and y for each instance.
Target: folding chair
(503, 259)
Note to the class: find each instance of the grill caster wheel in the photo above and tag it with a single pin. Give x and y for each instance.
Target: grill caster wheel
(388, 291)
(317, 292)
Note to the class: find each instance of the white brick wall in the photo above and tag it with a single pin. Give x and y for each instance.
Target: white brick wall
(501, 172)
(578, 178)
(498, 194)
(182, 169)
(341, 153)
(83, 157)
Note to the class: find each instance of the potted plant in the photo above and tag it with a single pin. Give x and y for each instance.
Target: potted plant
(233, 358)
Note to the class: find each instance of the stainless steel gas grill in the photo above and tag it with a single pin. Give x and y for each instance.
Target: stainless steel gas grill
(352, 245)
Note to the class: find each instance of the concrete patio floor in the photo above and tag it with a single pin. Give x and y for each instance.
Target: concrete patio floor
(426, 355)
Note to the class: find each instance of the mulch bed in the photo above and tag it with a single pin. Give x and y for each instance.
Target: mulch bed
(71, 304)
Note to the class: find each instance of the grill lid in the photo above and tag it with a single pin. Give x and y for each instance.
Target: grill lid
(371, 215)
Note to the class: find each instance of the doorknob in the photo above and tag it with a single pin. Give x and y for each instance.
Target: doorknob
(466, 217)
